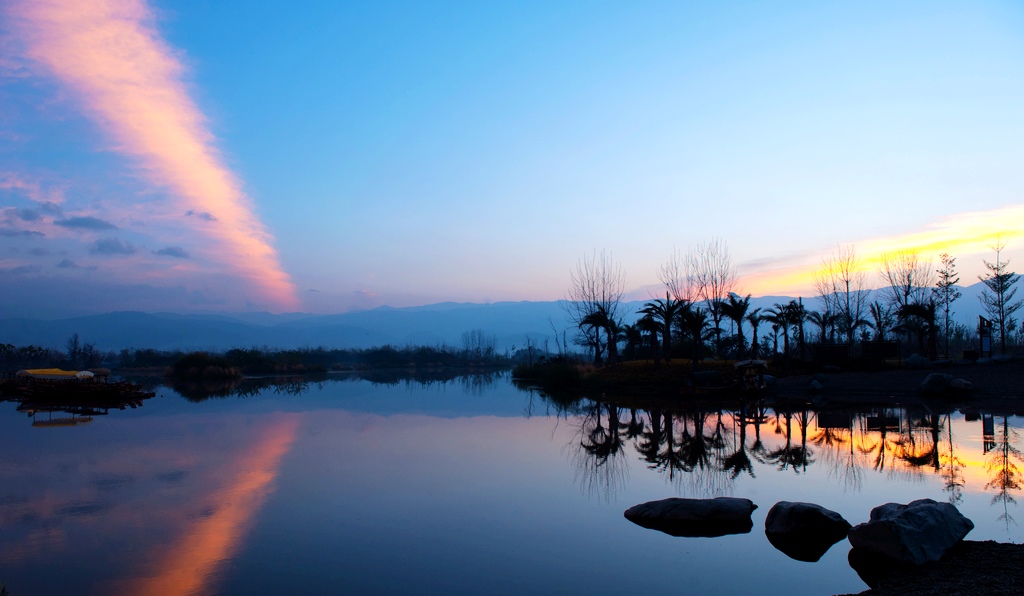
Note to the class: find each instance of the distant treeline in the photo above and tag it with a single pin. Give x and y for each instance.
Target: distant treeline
(255, 360)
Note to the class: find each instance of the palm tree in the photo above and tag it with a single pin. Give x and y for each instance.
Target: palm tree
(779, 318)
(824, 321)
(634, 337)
(754, 318)
(881, 320)
(648, 325)
(796, 315)
(694, 320)
(921, 318)
(666, 312)
(735, 309)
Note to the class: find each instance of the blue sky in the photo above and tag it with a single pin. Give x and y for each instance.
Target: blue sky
(408, 153)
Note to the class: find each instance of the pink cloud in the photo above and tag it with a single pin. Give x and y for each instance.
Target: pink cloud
(130, 82)
(32, 188)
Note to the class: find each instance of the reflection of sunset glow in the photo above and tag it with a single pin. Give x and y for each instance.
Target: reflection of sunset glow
(109, 52)
(972, 233)
(187, 565)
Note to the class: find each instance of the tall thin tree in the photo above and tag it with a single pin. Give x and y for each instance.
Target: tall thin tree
(997, 297)
(945, 293)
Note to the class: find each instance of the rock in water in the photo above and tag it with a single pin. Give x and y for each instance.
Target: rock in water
(804, 531)
(917, 532)
(706, 518)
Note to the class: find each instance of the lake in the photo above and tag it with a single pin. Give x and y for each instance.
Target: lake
(464, 485)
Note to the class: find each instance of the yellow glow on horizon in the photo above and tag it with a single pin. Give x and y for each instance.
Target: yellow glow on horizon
(965, 234)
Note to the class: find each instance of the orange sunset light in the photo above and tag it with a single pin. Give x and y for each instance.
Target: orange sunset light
(187, 566)
(130, 82)
(961, 235)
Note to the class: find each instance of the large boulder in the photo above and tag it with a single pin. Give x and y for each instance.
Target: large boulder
(915, 533)
(695, 517)
(804, 531)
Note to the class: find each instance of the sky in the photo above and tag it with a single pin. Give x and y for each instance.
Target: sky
(330, 156)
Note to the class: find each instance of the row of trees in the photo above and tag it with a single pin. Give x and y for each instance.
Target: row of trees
(914, 302)
(477, 349)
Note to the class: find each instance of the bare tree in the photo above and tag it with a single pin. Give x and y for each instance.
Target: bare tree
(840, 284)
(908, 276)
(712, 279)
(997, 297)
(593, 302)
(677, 277)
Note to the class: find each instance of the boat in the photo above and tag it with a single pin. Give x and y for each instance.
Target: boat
(86, 387)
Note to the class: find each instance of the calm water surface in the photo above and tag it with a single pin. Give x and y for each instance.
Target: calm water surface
(466, 486)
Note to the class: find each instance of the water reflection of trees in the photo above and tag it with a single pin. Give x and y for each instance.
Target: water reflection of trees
(1002, 467)
(474, 383)
(597, 447)
(705, 450)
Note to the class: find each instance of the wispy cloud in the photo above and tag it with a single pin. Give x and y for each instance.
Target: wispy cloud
(12, 233)
(172, 251)
(85, 223)
(112, 246)
(203, 215)
(131, 82)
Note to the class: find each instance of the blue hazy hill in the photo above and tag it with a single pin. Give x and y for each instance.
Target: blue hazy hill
(510, 323)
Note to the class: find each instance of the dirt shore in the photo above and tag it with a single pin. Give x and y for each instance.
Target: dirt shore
(969, 568)
(997, 386)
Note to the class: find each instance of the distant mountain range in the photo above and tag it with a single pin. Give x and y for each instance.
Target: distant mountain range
(510, 323)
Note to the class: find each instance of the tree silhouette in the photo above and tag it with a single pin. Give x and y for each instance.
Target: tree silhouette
(713, 277)
(735, 309)
(920, 319)
(739, 461)
(945, 293)
(882, 319)
(1005, 474)
(594, 299)
(664, 312)
(823, 321)
(952, 466)
(648, 325)
(779, 318)
(694, 321)
(754, 318)
(997, 297)
(840, 285)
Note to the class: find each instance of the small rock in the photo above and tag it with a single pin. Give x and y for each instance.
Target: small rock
(935, 383)
(917, 362)
(804, 531)
(815, 386)
(914, 533)
(706, 518)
